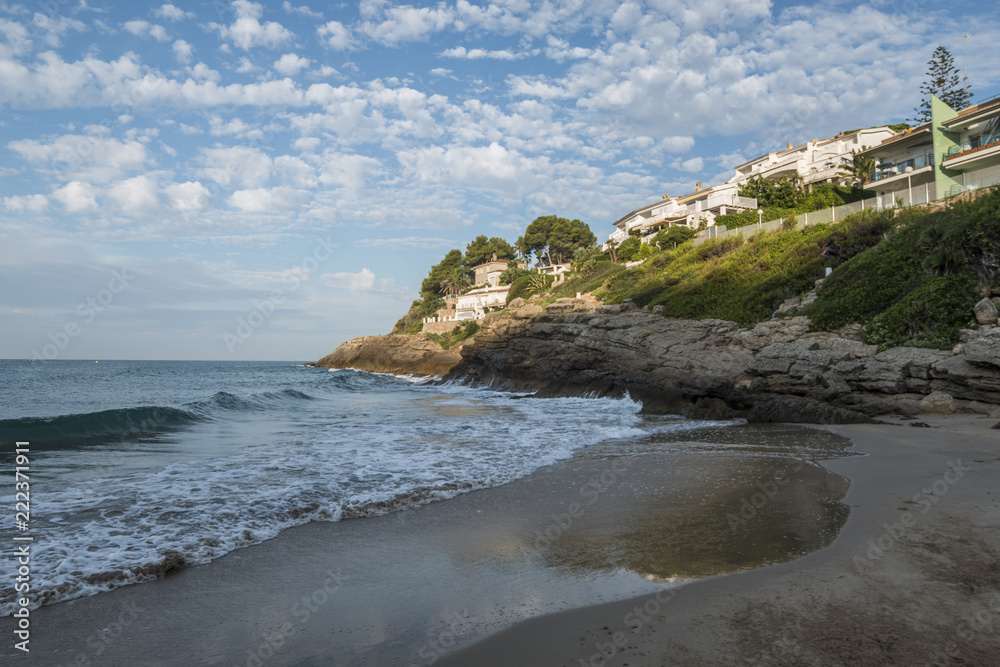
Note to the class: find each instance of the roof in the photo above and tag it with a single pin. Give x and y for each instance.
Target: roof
(984, 108)
(911, 133)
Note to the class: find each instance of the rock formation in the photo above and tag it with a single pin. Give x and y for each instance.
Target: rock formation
(777, 371)
(396, 353)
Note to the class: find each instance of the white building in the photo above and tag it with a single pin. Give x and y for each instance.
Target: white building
(473, 304)
(816, 161)
(701, 206)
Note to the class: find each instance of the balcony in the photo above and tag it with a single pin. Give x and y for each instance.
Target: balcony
(982, 144)
(897, 169)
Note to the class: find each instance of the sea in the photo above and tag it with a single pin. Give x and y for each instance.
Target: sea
(138, 468)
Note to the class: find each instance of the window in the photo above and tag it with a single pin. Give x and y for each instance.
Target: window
(974, 141)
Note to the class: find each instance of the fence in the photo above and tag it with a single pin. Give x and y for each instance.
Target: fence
(910, 197)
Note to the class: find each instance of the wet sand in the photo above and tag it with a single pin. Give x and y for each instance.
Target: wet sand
(912, 579)
(616, 521)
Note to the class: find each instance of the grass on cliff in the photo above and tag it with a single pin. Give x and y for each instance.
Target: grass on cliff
(743, 280)
(918, 287)
(910, 277)
(462, 331)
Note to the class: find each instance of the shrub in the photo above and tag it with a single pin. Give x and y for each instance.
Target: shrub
(518, 287)
(629, 248)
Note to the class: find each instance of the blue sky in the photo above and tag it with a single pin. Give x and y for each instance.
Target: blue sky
(266, 180)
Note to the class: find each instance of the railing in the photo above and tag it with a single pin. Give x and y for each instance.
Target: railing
(966, 147)
(897, 169)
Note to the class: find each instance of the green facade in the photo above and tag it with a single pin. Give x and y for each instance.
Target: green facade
(945, 180)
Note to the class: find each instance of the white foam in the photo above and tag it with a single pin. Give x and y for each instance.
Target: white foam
(105, 533)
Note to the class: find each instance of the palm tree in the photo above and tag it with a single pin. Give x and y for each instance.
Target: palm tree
(859, 170)
(455, 282)
(538, 283)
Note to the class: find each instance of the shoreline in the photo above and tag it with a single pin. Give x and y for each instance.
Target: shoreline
(406, 587)
(912, 578)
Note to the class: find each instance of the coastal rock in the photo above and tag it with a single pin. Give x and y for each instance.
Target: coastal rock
(986, 312)
(938, 403)
(396, 353)
(517, 302)
(526, 312)
(984, 350)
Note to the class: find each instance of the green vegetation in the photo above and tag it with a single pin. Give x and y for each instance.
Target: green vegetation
(782, 198)
(482, 249)
(943, 81)
(910, 277)
(529, 284)
(919, 285)
(555, 239)
(459, 333)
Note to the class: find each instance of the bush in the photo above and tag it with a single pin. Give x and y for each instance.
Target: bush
(518, 287)
(629, 248)
(672, 237)
(918, 285)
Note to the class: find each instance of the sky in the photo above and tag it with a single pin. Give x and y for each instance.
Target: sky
(262, 181)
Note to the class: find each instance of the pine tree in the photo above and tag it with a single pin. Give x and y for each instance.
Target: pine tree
(943, 81)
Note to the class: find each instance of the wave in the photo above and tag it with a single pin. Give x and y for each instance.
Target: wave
(72, 431)
(75, 431)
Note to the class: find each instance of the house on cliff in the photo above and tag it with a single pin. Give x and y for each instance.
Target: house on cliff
(957, 151)
(488, 294)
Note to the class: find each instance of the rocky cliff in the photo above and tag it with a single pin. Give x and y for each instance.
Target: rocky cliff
(396, 353)
(777, 371)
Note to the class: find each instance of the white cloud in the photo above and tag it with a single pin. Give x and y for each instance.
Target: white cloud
(56, 26)
(84, 157)
(480, 54)
(440, 71)
(406, 23)
(303, 10)
(76, 197)
(172, 13)
(17, 38)
(268, 200)
(695, 164)
(26, 203)
(247, 31)
(243, 165)
(135, 196)
(336, 35)
(291, 64)
(362, 281)
(144, 28)
(188, 197)
(183, 51)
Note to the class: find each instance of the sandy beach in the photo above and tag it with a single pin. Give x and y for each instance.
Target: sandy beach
(911, 578)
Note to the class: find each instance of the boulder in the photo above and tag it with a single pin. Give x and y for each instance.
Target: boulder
(517, 303)
(986, 312)
(984, 350)
(938, 403)
(396, 353)
(527, 312)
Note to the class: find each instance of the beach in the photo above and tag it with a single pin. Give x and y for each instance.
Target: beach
(473, 580)
(913, 578)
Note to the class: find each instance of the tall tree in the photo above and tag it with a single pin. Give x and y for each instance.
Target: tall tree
(555, 239)
(482, 250)
(430, 288)
(943, 81)
(455, 281)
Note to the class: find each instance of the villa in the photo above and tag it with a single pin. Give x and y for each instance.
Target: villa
(816, 161)
(955, 152)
